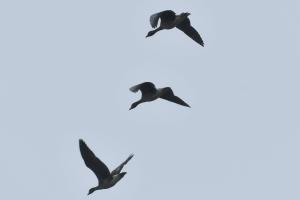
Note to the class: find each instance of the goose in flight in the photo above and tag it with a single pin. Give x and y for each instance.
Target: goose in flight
(169, 20)
(105, 178)
(150, 93)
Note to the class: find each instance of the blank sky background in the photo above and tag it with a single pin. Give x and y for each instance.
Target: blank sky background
(65, 70)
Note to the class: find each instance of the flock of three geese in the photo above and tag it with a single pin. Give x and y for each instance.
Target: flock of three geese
(168, 20)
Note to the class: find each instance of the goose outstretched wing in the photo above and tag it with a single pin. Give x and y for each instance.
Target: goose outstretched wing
(167, 15)
(92, 162)
(186, 27)
(120, 167)
(169, 96)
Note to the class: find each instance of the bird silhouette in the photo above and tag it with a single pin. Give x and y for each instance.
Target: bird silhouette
(169, 20)
(150, 93)
(106, 179)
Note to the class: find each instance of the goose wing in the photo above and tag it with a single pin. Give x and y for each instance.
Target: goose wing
(167, 15)
(186, 27)
(145, 88)
(120, 167)
(92, 162)
(169, 96)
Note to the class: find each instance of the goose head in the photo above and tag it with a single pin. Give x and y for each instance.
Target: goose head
(150, 33)
(93, 190)
(135, 104)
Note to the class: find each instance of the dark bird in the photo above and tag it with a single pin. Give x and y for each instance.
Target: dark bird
(105, 178)
(150, 93)
(169, 20)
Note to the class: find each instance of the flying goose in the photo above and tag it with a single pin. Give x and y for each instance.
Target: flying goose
(105, 178)
(169, 20)
(150, 93)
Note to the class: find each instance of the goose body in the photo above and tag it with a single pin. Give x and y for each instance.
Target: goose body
(106, 179)
(169, 20)
(150, 93)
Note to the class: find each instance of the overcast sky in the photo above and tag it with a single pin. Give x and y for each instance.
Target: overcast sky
(65, 71)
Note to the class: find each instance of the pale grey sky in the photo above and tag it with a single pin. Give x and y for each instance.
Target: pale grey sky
(65, 70)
